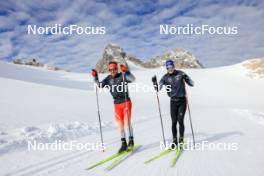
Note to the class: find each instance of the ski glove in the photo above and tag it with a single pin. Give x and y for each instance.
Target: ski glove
(155, 83)
(123, 68)
(94, 74)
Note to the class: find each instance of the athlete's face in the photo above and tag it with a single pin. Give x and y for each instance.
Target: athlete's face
(113, 71)
(170, 69)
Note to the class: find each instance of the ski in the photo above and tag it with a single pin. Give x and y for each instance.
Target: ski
(158, 156)
(177, 156)
(122, 157)
(104, 160)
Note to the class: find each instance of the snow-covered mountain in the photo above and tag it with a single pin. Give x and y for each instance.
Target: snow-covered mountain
(113, 52)
(41, 105)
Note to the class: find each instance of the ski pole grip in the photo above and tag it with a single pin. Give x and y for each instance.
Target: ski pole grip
(154, 79)
(155, 83)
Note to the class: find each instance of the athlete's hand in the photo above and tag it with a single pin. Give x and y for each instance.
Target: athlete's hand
(94, 73)
(123, 68)
(154, 79)
(155, 83)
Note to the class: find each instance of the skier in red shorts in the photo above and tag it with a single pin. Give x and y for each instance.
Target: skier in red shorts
(117, 84)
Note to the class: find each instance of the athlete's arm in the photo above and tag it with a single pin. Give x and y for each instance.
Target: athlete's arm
(162, 82)
(103, 83)
(188, 80)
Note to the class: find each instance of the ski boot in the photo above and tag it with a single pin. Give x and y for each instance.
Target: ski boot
(181, 141)
(174, 144)
(123, 147)
(131, 142)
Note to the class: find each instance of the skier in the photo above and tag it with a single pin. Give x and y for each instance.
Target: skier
(175, 80)
(117, 83)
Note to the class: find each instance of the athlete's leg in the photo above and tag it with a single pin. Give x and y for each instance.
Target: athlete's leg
(174, 112)
(181, 114)
(128, 123)
(127, 117)
(119, 117)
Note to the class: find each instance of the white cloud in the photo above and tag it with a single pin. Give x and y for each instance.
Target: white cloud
(138, 34)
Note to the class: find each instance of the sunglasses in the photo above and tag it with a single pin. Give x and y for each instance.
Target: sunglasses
(113, 70)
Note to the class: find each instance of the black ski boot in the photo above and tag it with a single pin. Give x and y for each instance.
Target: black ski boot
(181, 141)
(123, 145)
(174, 144)
(131, 142)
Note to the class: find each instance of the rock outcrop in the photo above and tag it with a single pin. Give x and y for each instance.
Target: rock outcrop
(35, 63)
(255, 67)
(112, 52)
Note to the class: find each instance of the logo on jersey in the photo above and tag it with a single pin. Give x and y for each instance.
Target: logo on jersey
(170, 80)
(111, 81)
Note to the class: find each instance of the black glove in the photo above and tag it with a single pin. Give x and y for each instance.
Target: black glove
(155, 83)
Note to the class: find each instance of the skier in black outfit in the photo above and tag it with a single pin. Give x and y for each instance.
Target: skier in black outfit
(175, 80)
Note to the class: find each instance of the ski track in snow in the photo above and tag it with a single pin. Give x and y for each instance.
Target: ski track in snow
(61, 163)
(52, 165)
(257, 117)
(64, 132)
(64, 160)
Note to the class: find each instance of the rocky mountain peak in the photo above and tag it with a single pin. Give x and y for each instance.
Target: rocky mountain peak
(113, 52)
(181, 57)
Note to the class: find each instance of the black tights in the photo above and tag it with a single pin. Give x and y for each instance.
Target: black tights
(177, 110)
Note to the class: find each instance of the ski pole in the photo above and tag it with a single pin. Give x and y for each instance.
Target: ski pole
(126, 112)
(99, 116)
(154, 80)
(190, 118)
(124, 87)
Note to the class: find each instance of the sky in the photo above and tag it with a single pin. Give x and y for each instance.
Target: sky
(133, 25)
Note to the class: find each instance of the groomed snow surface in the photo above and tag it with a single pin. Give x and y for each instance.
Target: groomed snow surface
(47, 106)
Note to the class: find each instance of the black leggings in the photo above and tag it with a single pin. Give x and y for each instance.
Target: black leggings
(177, 110)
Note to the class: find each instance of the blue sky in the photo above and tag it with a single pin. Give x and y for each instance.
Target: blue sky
(134, 25)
